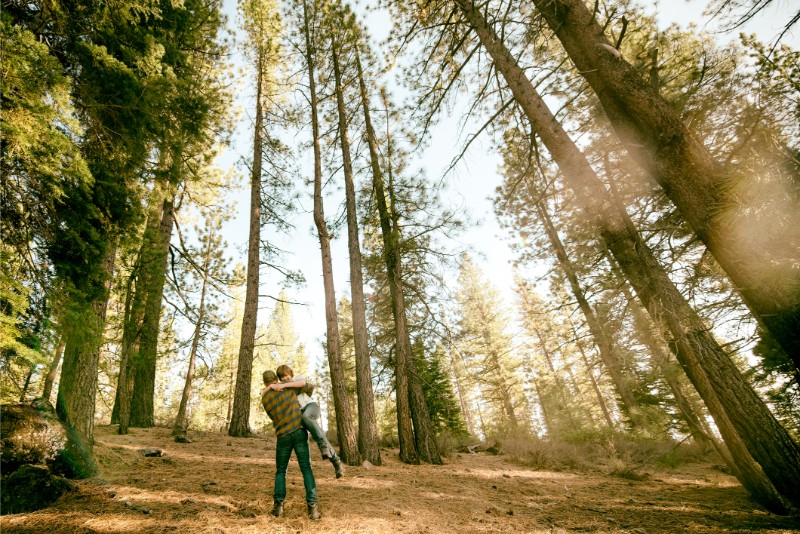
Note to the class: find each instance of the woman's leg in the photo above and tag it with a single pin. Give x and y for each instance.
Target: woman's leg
(311, 415)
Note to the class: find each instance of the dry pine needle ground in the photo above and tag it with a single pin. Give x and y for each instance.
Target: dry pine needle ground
(221, 484)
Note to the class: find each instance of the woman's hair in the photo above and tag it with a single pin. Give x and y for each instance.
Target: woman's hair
(283, 371)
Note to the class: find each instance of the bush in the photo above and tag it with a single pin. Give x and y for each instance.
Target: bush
(449, 442)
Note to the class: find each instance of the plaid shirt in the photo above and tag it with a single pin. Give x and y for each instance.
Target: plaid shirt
(283, 409)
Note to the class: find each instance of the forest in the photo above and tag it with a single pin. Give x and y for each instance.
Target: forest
(641, 358)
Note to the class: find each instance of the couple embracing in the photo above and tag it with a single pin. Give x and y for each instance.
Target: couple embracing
(287, 400)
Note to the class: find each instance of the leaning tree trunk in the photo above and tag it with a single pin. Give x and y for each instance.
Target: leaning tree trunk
(595, 387)
(83, 337)
(368, 445)
(348, 443)
(727, 394)
(240, 413)
(602, 341)
(697, 427)
(142, 401)
(52, 371)
(656, 136)
(391, 257)
(561, 387)
(181, 425)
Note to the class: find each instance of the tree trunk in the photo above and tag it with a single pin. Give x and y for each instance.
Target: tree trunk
(726, 393)
(83, 337)
(155, 262)
(240, 413)
(425, 437)
(462, 400)
(27, 384)
(548, 423)
(348, 442)
(391, 256)
(51, 374)
(367, 424)
(602, 341)
(656, 136)
(135, 296)
(560, 386)
(599, 394)
(181, 425)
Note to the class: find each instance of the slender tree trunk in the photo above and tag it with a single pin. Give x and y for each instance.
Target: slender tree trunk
(602, 341)
(576, 384)
(548, 423)
(142, 401)
(27, 384)
(83, 338)
(348, 442)
(727, 394)
(240, 413)
(181, 425)
(367, 424)
(656, 136)
(560, 386)
(500, 376)
(599, 394)
(461, 396)
(127, 351)
(51, 374)
(391, 256)
(697, 427)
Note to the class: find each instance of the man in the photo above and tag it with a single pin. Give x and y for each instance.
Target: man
(311, 414)
(282, 407)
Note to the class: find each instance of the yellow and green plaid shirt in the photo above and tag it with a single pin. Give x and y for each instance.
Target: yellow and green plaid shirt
(282, 407)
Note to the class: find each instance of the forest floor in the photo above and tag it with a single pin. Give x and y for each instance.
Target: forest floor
(221, 484)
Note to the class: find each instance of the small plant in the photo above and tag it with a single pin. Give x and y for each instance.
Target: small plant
(629, 473)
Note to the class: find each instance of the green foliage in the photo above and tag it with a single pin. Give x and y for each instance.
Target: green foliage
(442, 405)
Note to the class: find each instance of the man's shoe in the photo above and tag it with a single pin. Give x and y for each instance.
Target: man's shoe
(337, 465)
(326, 453)
(277, 509)
(313, 512)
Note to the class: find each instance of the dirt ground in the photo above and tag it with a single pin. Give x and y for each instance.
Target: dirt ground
(219, 484)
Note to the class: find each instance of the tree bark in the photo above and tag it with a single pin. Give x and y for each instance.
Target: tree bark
(142, 401)
(727, 394)
(135, 296)
(368, 445)
(348, 443)
(83, 337)
(240, 412)
(656, 136)
(391, 257)
(51, 374)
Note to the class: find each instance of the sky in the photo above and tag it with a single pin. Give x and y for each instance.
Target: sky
(471, 185)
